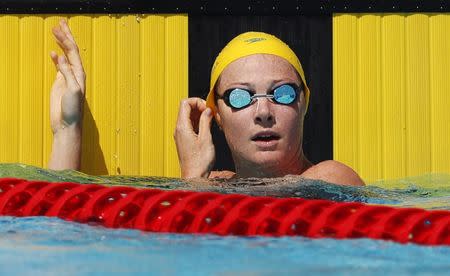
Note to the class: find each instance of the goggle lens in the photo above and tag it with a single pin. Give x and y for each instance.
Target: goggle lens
(284, 94)
(239, 98)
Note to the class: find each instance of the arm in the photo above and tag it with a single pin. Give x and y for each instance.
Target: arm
(66, 102)
(334, 172)
(193, 139)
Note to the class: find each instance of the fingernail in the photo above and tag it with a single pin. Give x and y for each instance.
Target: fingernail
(208, 111)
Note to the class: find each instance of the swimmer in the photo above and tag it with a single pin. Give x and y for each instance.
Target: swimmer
(258, 97)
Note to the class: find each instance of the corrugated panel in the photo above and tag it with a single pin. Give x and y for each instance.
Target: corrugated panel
(153, 91)
(390, 98)
(9, 88)
(137, 75)
(176, 65)
(440, 96)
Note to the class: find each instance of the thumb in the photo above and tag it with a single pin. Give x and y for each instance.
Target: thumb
(204, 132)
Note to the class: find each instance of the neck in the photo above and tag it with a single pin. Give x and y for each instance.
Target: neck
(296, 166)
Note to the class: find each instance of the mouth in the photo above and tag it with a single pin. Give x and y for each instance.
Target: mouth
(266, 136)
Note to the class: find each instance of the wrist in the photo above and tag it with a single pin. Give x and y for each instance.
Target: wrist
(194, 173)
(67, 131)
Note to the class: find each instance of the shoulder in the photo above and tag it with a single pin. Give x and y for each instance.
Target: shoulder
(334, 172)
(221, 174)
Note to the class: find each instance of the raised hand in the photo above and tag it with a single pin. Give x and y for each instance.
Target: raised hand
(67, 94)
(193, 139)
(66, 101)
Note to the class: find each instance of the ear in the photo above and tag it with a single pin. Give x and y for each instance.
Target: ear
(303, 104)
(218, 119)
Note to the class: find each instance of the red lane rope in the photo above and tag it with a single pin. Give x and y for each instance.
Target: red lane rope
(234, 214)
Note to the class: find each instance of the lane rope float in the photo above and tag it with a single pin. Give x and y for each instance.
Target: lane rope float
(179, 211)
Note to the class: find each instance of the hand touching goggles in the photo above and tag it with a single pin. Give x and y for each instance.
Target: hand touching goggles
(239, 98)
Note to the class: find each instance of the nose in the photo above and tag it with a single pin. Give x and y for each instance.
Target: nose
(263, 112)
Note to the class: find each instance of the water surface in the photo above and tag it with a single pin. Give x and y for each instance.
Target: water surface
(52, 246)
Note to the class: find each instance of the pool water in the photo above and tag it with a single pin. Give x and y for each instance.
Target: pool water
(33, 245)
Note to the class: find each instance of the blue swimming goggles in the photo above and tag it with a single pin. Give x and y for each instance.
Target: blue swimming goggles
(239, 98)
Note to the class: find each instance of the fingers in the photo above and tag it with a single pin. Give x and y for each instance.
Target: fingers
(205, 125)
(184, 112)
(54, 58)
(65, 69)
(65, 40)
(196, 104)
(187, 108)
(64, 36)
(66, 29)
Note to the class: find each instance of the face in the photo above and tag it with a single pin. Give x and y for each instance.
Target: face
(264, 137)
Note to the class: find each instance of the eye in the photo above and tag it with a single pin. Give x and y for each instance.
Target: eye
(285, 94)
(239, 98)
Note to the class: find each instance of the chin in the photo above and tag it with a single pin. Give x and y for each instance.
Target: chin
(268, 159)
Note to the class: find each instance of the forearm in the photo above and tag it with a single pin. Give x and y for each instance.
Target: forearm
(66, 149)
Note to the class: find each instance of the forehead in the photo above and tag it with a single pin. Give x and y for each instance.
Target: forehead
(257, 68)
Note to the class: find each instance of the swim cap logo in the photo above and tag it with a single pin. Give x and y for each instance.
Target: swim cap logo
(253, 40)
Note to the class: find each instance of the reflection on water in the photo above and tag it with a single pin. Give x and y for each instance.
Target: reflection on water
(50, 246)
(429, 191)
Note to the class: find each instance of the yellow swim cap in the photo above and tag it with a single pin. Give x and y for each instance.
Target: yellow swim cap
(247, 44)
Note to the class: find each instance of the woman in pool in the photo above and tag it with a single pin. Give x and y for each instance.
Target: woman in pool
(258, 97)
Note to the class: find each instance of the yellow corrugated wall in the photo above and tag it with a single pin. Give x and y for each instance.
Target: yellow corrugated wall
(137, 69)
(391, 93)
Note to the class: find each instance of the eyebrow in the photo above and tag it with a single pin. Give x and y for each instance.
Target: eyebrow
(273, 83)
(240, 83)
(283, 80)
